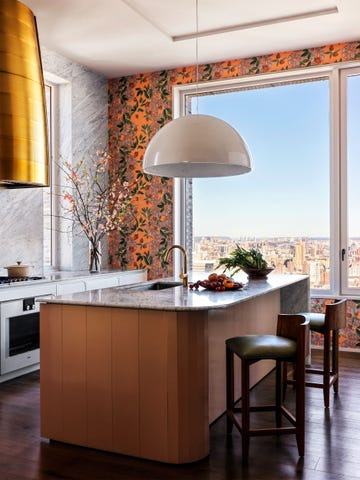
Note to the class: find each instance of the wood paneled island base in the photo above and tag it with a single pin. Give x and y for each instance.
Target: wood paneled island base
(142, 382)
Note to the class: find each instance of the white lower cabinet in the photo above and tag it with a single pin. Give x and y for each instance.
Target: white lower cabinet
(102, 280)
(62, 288)
(95, 283)
(128, 278)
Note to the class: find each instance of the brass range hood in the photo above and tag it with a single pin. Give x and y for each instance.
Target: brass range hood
(24, 157)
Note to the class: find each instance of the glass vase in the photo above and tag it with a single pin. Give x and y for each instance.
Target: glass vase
(94, 256)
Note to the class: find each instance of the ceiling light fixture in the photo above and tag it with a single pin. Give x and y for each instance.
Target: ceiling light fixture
(197, 146)
(23, 130)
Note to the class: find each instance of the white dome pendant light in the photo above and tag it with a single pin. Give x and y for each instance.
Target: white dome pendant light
(197, 146)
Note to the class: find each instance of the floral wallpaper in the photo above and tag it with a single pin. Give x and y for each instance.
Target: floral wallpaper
(141, 104)
(349, 337)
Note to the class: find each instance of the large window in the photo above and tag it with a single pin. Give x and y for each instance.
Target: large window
(350, 154)
(289, 205)
(57, 252)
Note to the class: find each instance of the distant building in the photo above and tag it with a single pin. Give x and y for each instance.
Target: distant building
(299, 256)
(310, 256)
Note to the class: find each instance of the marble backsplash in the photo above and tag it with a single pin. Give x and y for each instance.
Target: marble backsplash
(82, 122)
(21, 228)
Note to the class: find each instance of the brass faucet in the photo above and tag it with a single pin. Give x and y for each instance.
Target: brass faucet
(183, 275)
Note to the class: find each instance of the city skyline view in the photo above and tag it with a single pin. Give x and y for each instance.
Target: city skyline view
(301, 255)
(287, 255)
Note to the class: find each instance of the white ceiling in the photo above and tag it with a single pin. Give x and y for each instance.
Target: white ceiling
(123, 37)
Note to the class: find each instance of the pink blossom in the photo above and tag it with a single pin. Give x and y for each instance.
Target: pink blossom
(95, 205)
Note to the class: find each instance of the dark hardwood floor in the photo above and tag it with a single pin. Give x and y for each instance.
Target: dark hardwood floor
(332, 442)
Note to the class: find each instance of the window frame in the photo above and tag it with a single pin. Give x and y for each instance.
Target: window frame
(336, 181)
(62, 148)
(344, 75)
(49, 192)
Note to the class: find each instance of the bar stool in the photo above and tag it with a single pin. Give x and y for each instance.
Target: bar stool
(328, 325)
(289, 344)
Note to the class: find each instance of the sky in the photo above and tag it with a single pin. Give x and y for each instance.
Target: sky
(287, 193)
(353, 142)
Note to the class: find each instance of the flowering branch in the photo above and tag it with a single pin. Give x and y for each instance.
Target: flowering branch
(96, 201)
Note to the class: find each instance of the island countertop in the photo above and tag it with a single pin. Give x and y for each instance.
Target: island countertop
(142, 372)
(180, 298)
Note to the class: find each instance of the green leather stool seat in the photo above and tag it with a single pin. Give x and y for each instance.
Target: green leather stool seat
(262, 347)
(317, 322)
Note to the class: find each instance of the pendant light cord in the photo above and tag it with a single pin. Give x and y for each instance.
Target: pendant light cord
(197, 54)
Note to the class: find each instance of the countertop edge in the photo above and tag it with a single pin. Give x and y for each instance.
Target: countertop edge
(127, 297)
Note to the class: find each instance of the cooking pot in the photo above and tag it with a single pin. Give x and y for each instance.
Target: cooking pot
(18, 270)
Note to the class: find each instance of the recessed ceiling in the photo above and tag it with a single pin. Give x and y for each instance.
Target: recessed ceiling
(123, 37)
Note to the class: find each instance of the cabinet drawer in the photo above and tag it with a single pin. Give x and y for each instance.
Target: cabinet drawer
(95, 283)
(70, 287)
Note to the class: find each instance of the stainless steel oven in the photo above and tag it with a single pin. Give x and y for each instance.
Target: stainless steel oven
(20, 338)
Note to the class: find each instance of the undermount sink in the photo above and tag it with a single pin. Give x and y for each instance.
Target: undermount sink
(155, 286)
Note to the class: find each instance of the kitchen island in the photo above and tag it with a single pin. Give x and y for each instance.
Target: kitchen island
(142, 372)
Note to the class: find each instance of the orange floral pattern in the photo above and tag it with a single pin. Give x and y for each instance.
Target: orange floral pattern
(349, 337)
(141, 104)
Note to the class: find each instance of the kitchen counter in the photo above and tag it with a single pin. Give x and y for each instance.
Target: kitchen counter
(81, 274)
(56, 276)
(142, 372)
(183, 299)
(57, 283)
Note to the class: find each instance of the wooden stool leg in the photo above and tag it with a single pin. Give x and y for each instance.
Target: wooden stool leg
(326, 367)
(284, 379)
(300, 410)
(245, 409)
(279, 391)
(335, 359)
(229, 390)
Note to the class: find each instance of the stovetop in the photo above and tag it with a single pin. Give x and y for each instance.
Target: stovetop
(8, 280)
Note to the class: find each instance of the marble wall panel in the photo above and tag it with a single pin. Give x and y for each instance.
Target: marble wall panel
(21, 228)
(82, 121)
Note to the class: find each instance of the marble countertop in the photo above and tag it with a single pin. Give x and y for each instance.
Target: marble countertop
(65, 275)
(49, 284)
(176, 298)
(79, 274)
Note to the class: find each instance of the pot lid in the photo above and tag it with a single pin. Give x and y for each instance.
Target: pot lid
(18, 265)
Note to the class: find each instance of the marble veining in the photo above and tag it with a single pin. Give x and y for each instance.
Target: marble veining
(82, 119)
(180, 298)
(84, 105)
(21, 228)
